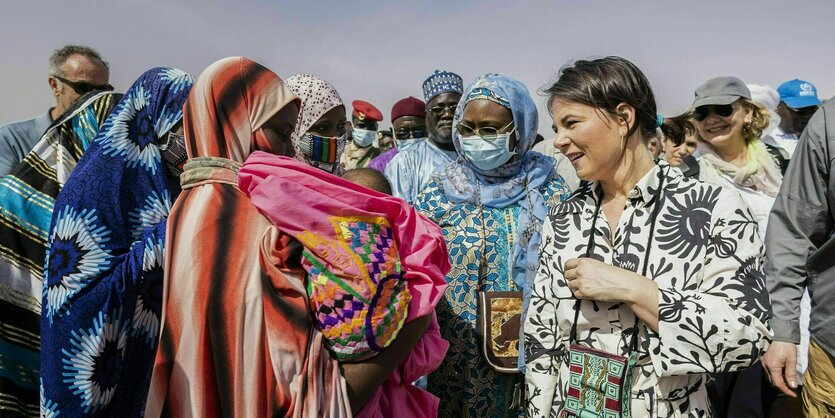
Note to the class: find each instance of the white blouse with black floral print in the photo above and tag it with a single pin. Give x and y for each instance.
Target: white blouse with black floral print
(706, 258)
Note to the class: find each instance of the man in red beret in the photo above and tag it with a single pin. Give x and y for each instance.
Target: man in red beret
(408, 119)
(359, 151)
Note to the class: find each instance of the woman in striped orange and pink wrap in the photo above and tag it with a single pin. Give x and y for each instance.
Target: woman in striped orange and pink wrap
(237, 339)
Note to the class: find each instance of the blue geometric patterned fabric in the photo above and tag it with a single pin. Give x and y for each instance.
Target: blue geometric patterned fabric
(102, 287)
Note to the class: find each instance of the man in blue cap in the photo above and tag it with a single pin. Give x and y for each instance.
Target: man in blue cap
(798, 102)
(409, 170)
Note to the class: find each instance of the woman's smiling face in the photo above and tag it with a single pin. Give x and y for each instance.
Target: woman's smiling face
(591, 139)
(719, 130)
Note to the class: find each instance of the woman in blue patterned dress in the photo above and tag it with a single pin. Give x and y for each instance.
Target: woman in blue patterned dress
(102, 288)
(490, 204)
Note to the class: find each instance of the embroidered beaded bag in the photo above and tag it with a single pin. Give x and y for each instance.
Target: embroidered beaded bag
(600, 383)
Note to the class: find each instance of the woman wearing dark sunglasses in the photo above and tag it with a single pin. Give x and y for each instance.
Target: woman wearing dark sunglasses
(730, 125)
(733, 156)
(490, 204)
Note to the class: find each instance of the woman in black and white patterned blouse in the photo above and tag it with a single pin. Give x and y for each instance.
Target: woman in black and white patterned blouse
(680, 258)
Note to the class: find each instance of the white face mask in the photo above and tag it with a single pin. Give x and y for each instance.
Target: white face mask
(404, 144)
(484, 154)
(364, 137)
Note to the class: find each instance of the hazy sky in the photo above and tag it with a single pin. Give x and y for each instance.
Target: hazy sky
(381, 51)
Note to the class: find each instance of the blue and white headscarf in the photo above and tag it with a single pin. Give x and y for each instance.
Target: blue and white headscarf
(518, 181)
(102, 287)
(504, 185)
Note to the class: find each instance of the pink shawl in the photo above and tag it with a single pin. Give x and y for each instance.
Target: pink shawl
(292, 194)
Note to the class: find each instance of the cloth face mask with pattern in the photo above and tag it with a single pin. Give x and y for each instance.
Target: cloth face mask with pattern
(323, 151)
(364, 137)
(174, 154)
(487, 154)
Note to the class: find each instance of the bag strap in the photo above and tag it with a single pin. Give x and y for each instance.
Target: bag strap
(633, 345)
(482, 260)
(589, 251)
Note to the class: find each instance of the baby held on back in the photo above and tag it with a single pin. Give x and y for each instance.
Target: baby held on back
(364, 283)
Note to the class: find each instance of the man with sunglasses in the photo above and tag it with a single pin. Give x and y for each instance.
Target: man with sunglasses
(410, 170)
(385, 140)
(73, 71)
(798, 102)
(408, 121)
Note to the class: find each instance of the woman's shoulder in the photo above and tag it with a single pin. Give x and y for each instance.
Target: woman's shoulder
(687, 191)
(431, 196)
(574, 201)
(556, 185)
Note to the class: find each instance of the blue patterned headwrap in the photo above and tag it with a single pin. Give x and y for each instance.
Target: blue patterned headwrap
(504, 185)
(102, 287)
(518, 181)
(441, 82)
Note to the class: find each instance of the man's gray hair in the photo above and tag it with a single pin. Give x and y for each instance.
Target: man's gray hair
(59, 57)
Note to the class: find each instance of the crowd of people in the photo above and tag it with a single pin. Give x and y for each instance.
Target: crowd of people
(234, 245)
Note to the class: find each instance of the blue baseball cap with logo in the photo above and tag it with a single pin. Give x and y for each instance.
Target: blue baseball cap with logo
(798, 94)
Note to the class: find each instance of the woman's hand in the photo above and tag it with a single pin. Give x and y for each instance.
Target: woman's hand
(595, 280)
(364, 378)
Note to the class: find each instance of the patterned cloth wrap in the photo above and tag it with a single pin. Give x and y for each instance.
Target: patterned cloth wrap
(373, 262)
(298, 199)
(355, 284)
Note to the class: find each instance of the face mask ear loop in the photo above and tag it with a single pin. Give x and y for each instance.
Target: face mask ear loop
(510, 134)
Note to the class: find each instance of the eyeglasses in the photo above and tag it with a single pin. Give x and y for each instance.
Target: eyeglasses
(440, 110)
(702, 112)
(415, 133)
(488, 133)
(83, 87)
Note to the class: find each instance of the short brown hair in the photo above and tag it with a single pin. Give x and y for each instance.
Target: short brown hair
(677, 128)
(603, 84)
